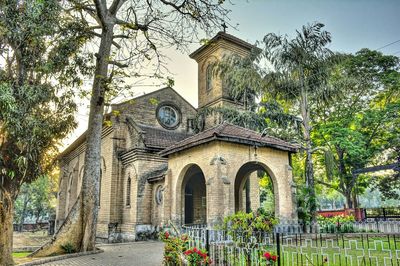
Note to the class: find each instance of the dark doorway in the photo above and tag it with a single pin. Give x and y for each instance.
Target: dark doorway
(188, 205)
(194, 196)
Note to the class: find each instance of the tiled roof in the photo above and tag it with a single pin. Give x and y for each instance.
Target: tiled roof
(225, 36)
(160, 138)
(230, 133)
(157, 174)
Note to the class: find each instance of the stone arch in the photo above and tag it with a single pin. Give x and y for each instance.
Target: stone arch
(191, 195)
(243, 175)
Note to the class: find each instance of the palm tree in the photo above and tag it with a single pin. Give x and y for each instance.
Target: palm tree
(299, 72)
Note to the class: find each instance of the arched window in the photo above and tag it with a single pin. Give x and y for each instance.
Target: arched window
(128, 191)
(209, 77)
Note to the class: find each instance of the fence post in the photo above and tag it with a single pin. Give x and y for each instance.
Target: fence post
(278, 248)
(208, 241)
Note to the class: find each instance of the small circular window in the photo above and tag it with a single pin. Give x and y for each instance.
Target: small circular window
(159, 195)
(168, 116)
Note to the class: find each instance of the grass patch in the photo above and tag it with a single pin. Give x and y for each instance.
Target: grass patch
(20, 254)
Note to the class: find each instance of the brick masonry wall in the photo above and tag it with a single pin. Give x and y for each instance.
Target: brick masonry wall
(220, 177)
(143, 109)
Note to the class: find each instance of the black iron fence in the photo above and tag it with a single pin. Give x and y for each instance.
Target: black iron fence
(382, 213)
(297, 248)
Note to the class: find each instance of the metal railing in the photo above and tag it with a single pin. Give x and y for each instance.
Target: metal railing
(368, 244)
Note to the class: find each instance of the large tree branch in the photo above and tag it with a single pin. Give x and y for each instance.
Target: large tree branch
(101, 10)
(118, 64)
(132, 26)
(115, 6)
(330, 186)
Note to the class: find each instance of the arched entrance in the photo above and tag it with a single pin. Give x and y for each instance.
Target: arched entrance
(194, 196)
(255, 188)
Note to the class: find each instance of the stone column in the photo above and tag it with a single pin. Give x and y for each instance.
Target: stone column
(218, 192)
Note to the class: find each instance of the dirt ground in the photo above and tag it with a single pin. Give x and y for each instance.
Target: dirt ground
(30, 239)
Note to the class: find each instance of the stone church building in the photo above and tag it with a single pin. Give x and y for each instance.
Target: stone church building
(156, 170)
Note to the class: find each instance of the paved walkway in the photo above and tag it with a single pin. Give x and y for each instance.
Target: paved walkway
(131, 254)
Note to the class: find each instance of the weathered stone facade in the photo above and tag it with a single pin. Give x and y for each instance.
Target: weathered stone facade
(154, 169)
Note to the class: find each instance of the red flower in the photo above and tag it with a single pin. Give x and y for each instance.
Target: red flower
(188, 252)
(267, 255)
(274, 258)
(195, 249)
(166, 234)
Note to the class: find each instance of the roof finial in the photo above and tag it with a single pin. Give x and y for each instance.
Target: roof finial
(224, 26)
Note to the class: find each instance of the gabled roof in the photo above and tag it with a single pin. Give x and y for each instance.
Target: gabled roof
(225, 36)
(154, 92)
(157, 138)
(230, 133)
(82, 138)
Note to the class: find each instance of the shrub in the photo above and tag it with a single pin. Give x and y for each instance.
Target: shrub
(197, 257)
(336, 224)
(68, 248)
(174, 247)
(270, 258)
(260, 221)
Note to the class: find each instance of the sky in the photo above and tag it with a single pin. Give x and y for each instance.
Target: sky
(354, 24)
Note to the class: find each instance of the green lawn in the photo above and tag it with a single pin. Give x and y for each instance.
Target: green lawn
(329, 250)
(20, 254)
(357, 250)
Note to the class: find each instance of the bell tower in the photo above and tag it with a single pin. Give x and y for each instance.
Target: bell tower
(211, 90)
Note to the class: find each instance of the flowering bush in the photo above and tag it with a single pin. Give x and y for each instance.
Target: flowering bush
(339, 223)
(250, 222)
(271, 259)
(174, 247)
(197, 257)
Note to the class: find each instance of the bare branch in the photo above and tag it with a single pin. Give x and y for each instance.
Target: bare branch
(115, 6)
(99, 35)
(121, 36)
(118, 64)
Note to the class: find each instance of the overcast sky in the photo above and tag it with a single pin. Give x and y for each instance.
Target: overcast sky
(354, 24)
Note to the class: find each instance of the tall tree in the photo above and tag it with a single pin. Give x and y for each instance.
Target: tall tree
(361, 127)
(130, 33)
(35, 112)
(299, 74)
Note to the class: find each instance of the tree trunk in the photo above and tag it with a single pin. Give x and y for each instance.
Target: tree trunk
(79, 228)
(309, 171)
(6, 229)
(23, 214)
(349, 201)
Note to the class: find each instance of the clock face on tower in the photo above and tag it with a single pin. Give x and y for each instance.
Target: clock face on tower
(168, 116)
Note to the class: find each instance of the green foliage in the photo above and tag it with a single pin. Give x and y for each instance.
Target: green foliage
(306, 203)
(40, 46)
(247, 223)
(336, 224)
(360, 128)
(68, 248)
(267, 198)
(36, 200)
